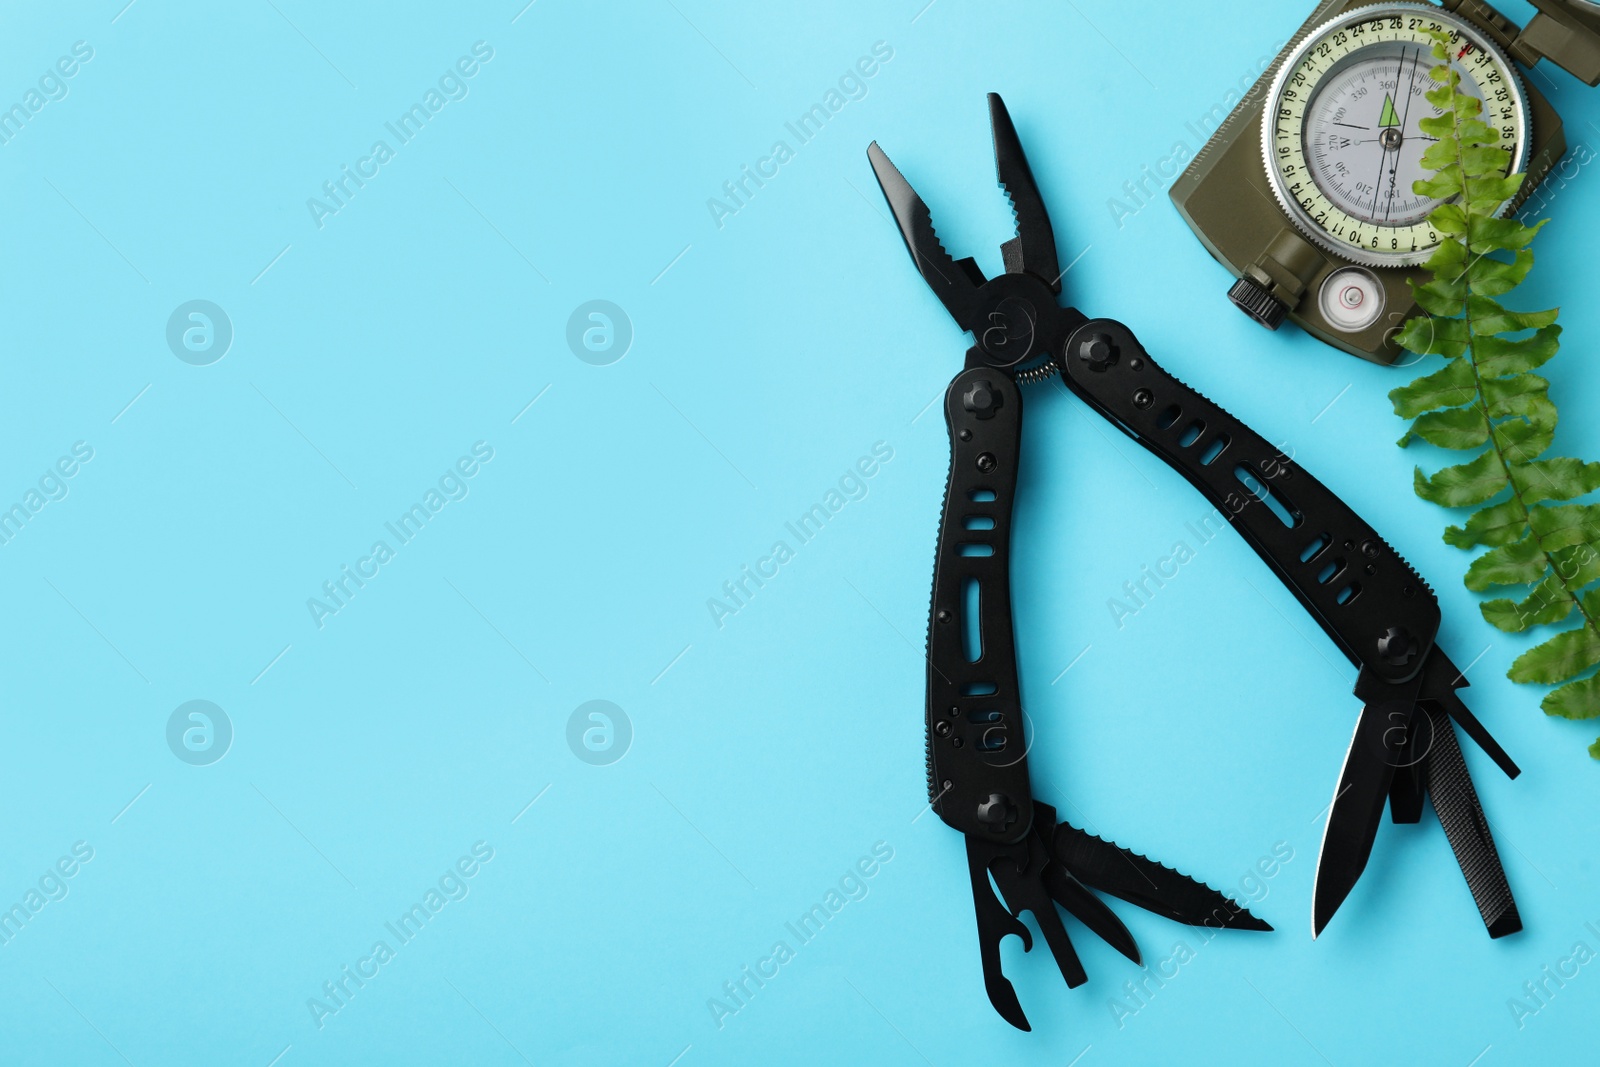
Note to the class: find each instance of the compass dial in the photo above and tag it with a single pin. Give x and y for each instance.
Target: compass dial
(1342, 135)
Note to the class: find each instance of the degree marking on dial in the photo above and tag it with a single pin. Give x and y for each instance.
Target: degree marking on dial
(1306, 172)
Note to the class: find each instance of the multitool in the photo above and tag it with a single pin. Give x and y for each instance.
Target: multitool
(1367, 599)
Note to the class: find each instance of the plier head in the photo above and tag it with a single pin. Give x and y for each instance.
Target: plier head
(1016, 320)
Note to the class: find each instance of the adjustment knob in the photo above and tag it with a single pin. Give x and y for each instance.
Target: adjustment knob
(1252, 298)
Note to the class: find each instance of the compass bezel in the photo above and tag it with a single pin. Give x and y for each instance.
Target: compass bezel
(1291, 205)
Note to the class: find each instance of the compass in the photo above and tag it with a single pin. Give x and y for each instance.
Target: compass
(1305, 191)
(1343, 139)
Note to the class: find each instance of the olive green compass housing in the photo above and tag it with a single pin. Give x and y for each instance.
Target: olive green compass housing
(1304, 192)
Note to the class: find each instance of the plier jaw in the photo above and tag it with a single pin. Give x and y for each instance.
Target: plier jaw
(1015, 318)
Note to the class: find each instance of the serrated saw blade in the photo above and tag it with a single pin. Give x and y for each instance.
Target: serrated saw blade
(1153, 886)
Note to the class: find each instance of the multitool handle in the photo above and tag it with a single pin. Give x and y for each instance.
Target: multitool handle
(1364, 595)
(977, 754)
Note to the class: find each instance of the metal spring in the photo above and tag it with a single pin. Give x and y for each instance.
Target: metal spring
(1034, 375)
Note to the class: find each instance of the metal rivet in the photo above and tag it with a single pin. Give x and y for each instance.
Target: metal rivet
(1398, 647)
(997, 812)
(965, 435)
(944, 615)
(1098, 350)
(982, 400)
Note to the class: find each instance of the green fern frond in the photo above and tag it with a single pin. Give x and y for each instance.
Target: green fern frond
(1486, 399)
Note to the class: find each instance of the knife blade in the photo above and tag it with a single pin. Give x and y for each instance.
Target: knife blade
(1382, 736)
(1088, 909)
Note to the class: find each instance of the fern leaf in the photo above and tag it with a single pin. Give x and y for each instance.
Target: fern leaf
(1463, 485)
(1555, 479)
(1447, 387)
(1454, 428)
(1496, 525)
(1500, 356)
(1490, 318)
(1564, 656)
(1576, 700)
(1521, 562)
(1567, 526)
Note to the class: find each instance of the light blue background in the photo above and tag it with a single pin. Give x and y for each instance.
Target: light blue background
(769, 354)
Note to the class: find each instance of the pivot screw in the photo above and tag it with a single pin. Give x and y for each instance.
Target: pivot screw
(1143, 399)
(942, 728)
(1398, 647)
(982, 400)
(1370, 549)
(997, 812)
(1098, 351)
(986, 462)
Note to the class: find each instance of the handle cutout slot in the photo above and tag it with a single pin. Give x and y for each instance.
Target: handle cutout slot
(1168, 417)
(981, 496)
(1192, 434)
(979, 522)
(976, 548)
(1330, 570)
(972, 619)
(1215, 449)
(1348, 593)
(1269, 495)
(1315, 548)
(979, 689)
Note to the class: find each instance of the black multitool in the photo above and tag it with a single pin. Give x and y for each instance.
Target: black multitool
(1364, 596)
